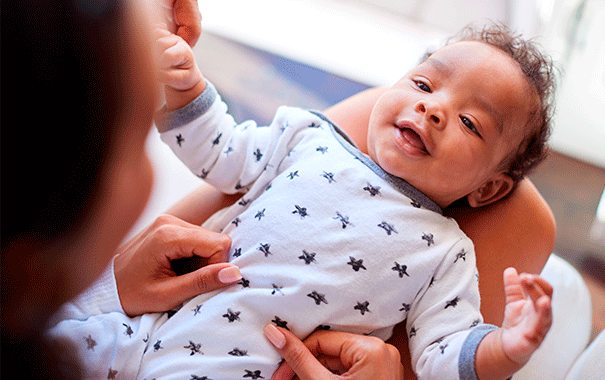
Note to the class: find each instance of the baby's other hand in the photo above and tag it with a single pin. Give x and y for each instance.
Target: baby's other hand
(528, 314)
(175, 61)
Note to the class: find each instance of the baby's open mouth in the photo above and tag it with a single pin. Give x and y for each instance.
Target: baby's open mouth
(413, 139)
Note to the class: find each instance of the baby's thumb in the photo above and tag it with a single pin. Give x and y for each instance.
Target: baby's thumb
(203, 280)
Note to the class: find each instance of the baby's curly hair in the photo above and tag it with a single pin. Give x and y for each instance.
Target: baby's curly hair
(540, 72)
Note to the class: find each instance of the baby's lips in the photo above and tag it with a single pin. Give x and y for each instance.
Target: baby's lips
(413, 138)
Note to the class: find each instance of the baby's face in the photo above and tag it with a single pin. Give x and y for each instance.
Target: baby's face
(450, 122)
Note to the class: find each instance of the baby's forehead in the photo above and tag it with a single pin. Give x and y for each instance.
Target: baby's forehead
(488, 75)
(472, 55)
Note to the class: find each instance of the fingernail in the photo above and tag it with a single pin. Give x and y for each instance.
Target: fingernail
(229, 275)
(276, 337)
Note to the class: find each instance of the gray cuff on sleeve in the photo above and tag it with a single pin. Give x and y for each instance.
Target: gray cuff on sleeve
(166, 121)
(466, 362)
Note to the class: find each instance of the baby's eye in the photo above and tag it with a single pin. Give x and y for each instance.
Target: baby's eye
(423, 86)
(469, 124)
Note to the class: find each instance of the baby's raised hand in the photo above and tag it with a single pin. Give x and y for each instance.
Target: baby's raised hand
(175, 61)
(528, 314)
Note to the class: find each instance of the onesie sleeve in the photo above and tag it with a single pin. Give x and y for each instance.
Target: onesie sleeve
(214, 147)
(445, 324)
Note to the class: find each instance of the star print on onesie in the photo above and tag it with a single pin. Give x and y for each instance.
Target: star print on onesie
(325, 238)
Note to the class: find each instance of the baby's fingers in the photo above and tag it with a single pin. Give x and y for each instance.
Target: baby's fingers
(542, 322)
(540, 292)
(513, 289)
(545, 285)
(173, 51)
(536, 287)
(160, 30)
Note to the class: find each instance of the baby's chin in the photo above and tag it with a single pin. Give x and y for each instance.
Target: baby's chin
(443, 197)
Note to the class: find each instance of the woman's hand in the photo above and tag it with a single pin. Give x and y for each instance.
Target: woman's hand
(182, 17)
(143, 269)
(334, 355)
(188, 20)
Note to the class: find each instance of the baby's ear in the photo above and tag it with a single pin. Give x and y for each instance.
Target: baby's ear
(493, 190)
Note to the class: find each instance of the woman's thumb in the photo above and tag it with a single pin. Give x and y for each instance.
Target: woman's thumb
(203, 280)
(298, 358)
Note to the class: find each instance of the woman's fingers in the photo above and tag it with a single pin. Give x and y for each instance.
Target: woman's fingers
(326, 354)
(188, 20)
(211, 277)
(299, 358)
(183, 240)
(146, 267)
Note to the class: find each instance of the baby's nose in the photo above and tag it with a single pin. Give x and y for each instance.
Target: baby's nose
(432, 112)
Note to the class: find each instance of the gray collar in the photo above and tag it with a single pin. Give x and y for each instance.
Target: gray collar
(401, 185)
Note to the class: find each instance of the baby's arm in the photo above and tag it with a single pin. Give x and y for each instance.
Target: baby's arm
(526, 321)
(177, 70)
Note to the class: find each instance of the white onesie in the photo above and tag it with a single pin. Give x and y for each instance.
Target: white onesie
(324, 239)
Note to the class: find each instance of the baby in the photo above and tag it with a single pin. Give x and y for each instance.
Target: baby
(328, 237)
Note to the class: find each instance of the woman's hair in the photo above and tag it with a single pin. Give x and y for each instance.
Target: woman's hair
(63, 95)
(540, 73)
